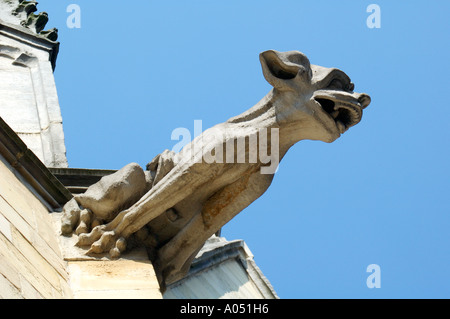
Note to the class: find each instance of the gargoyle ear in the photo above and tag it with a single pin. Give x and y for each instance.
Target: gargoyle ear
(280, 67)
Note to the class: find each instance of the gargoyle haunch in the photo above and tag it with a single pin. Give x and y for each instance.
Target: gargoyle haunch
(178, 203)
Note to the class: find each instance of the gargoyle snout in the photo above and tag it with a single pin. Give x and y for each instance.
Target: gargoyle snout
(364, 99)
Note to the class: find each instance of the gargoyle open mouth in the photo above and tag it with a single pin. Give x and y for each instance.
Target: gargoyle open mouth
(345, 114)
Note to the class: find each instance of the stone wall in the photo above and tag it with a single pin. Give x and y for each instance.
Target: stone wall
(29, 100)
(31, 264)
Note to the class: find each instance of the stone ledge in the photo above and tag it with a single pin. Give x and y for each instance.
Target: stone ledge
(17, 154)
(130, 277)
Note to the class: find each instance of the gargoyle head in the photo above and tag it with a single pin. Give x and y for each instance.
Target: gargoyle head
(320, 98)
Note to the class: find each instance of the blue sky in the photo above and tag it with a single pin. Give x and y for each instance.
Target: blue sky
(135, 71)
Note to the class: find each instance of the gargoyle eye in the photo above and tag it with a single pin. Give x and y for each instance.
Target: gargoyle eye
(336, 84)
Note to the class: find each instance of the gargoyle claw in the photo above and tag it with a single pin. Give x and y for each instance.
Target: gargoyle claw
(90, 238)
(120, 247)
(101, 240)
(103, 244)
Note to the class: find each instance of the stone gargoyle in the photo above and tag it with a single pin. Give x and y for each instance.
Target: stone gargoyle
(182, 199)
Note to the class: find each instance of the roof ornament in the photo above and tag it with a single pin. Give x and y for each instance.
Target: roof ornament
(25, 11)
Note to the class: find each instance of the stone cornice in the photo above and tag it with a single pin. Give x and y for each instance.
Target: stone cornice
(35, 173)
(25, 14)
(19, 21)
(35, 40)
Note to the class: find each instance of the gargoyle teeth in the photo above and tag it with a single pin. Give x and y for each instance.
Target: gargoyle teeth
(345, 114)
(349, 113)
(344, 104)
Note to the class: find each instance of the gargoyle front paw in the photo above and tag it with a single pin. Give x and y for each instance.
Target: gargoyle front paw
(103, 240)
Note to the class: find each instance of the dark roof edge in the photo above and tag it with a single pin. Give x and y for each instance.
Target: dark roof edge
(77, 180)
(17, 154)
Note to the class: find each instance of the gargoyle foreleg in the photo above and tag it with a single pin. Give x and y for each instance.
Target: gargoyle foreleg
(175, 257)
(179, 183)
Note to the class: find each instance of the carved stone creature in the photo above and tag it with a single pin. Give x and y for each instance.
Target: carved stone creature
(182, 200)
(25, 11)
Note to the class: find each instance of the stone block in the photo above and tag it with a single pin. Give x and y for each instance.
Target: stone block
(115, 279)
